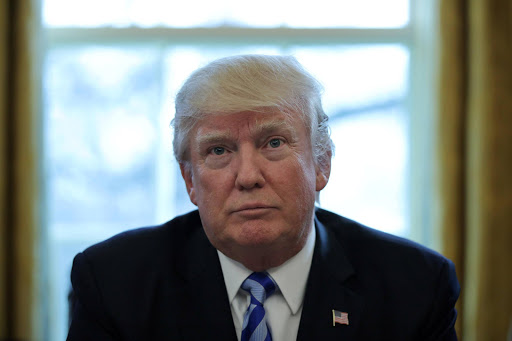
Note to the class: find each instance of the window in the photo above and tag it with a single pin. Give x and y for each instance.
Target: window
(112, 68)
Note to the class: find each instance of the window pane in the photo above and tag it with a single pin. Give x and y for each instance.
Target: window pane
(102, 141)
(368, 175)
(103, 109)
(205, 13)
(357, 76)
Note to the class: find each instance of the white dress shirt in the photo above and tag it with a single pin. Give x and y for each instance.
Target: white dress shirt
(284, 308)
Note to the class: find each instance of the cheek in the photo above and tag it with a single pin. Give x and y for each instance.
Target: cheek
(211, 188)
(306, 196)
(307, 173)
(298, 184)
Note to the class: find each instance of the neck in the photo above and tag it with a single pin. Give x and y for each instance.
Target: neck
(261, 258)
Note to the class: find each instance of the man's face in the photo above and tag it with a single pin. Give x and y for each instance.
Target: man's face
(254, 178)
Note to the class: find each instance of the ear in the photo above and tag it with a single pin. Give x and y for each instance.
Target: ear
(323, 170)
(186, 173)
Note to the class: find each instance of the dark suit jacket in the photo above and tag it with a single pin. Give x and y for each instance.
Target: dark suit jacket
(166, 283)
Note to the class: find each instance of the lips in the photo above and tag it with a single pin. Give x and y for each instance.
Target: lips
(252, 207)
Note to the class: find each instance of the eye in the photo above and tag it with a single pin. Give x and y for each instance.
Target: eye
(218, 150)
(275, 143)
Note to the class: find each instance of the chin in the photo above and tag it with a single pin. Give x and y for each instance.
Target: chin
(258, 235)
(255, 241)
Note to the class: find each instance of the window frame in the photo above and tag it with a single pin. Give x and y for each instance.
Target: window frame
(418, 36)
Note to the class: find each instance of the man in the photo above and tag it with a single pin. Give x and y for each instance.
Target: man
(257, 261)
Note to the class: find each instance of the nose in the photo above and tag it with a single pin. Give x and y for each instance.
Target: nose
(249, 170)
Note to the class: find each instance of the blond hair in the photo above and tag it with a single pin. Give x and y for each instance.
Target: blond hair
(251, 82)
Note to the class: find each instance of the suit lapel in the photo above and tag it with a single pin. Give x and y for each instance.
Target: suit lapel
(331, 285)
(207, 313)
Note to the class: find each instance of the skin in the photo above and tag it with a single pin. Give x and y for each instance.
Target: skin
(253, 177)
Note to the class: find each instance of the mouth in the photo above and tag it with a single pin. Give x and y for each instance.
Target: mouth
(254, 208)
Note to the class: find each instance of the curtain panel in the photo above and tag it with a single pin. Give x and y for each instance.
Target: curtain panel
(474, 149)
(18, 170)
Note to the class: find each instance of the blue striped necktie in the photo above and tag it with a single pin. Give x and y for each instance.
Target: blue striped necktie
(260, 285)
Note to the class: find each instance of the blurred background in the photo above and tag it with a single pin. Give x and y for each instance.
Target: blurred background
(418, 96)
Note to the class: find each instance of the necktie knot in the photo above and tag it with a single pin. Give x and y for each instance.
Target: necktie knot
(260, 285)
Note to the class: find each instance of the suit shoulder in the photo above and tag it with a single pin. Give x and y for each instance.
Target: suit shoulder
(123, 278)
(400, 280)
(143, 243)
(379, 247)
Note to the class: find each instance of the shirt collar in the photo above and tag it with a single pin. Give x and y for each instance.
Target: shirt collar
(291, 276)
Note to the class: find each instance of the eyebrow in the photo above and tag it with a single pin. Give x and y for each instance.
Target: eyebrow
(213, 137)
(274, 126)
(261, 128)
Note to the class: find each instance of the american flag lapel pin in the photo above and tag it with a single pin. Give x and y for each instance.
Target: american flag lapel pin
(339, 317)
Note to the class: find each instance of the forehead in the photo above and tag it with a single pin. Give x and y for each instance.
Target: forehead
(253, 123)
